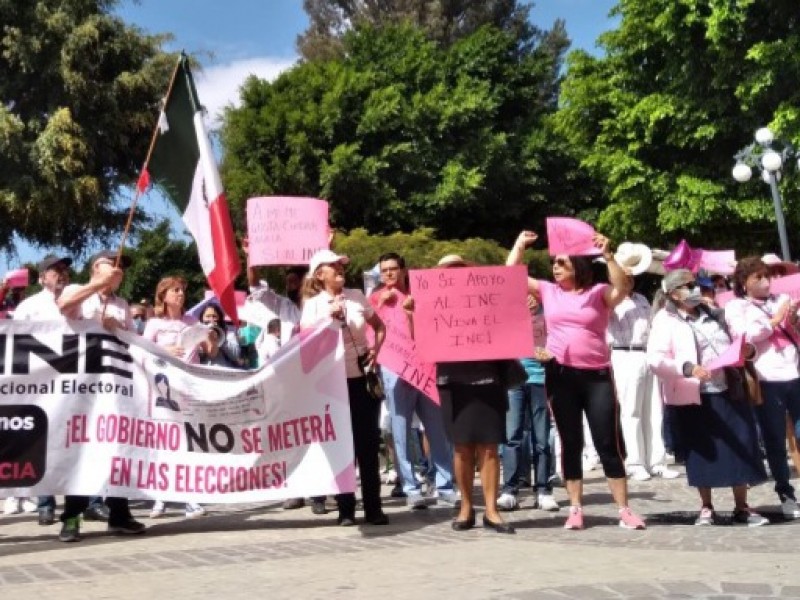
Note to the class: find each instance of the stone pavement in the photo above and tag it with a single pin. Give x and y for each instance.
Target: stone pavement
(246, 551)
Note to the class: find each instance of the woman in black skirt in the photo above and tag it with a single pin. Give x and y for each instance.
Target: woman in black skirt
(714, 422)
(474, 403)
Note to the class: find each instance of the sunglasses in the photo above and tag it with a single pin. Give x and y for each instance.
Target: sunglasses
(686, 286)
(561, 262)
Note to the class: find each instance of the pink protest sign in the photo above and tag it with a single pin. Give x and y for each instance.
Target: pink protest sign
(472, 313)
(789, 285)
(399, 351)
(285, 230)
(570, 236)
(732, 357)
(718, 261)
(18, 278)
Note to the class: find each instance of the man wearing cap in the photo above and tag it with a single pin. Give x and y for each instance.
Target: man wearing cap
(640, 402)
(58, 300)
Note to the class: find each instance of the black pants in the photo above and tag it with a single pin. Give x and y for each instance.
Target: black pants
(365, 415)
(572, 393)
(119, 511)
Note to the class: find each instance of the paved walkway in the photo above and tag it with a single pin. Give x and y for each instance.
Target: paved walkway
(247, 551)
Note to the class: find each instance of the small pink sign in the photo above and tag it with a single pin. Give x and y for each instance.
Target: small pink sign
(732, 357)
(399, 351)
(570, 236)
(18, 278)
(472, 313)
(285, 230)
(722, 262)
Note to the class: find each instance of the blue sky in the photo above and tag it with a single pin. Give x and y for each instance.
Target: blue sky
(236, 38)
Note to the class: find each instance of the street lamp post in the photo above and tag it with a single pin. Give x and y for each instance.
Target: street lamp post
(769, 156)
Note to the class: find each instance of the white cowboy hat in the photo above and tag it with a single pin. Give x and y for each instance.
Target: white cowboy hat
(775, 262)
(636, 258)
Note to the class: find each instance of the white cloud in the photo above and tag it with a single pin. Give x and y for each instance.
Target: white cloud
(218, 85)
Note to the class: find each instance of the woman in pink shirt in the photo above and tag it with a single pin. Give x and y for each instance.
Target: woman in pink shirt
(769, 322)
(578, 373)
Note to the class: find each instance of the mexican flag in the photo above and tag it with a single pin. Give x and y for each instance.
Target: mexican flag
(182, 164)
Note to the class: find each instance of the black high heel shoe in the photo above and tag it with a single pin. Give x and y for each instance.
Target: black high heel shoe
(465, 524)
(501, 527)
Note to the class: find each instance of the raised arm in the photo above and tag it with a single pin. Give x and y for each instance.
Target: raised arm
(524, 240)
(621, 283)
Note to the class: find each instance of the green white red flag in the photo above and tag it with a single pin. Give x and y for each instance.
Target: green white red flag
(182, 164)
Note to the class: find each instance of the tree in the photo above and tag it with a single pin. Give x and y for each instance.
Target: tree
(403, 133)
(682, 87)
(80, 91)
(443, 21)
(157, 255)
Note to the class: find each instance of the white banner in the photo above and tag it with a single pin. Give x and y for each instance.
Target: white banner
(83, 412)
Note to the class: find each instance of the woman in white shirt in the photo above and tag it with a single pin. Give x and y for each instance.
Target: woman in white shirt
(769, 322)
(327, 298)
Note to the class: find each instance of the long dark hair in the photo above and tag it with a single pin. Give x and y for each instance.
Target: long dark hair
(582, 267)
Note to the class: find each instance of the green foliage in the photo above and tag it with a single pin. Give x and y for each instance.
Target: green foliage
(80, 92)
(421, 249)
(156, 256)
(442, 22)
(657, 120)
(403, 133)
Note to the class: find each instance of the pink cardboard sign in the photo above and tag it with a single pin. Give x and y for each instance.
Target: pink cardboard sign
(570, 236)
(399, 352)
(285, 230)
(722, 262)
(732, 357)
(789, 285)
(18, 278)
(472, 313)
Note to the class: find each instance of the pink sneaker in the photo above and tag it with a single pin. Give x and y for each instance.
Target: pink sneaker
(575, 518)
(629, 520)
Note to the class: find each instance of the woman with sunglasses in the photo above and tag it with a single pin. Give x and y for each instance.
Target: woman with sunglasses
(714, 425)
(769, 322)
(577, 372)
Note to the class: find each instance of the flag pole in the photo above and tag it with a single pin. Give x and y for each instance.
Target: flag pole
(139, 187)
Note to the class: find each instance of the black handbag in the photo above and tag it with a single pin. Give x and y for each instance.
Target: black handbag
(372, 378)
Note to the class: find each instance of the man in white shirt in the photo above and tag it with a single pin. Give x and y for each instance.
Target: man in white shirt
(57, 300)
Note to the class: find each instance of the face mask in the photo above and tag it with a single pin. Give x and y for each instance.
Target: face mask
(693, 297)
(138, 325)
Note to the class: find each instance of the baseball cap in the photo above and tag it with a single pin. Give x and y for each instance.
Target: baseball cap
(325, 257)
(124, 261)
(51, 260)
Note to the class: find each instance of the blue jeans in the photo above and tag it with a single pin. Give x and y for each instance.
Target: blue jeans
(404, 399)
(527, 405)
(779, 397)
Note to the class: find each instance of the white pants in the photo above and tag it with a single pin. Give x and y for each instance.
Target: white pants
(641, 411)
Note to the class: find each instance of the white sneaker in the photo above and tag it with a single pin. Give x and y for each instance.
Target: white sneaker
(450, 498)
(547, 502)
(194, 511)
(507, 502)
(159, 510)
(29, 506)
(665, 472)
(390, 478)
(12, 506)
(638, 473)
(415, 501)
(790, 509)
